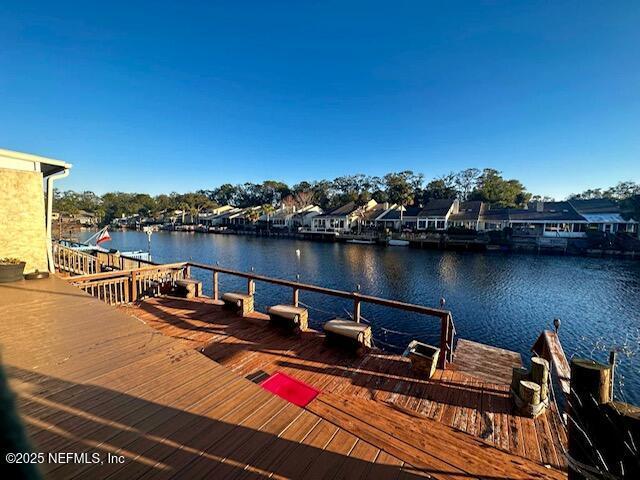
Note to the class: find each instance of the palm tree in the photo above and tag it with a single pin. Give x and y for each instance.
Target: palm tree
(268, 209)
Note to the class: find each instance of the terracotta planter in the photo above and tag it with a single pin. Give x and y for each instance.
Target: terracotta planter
(11, 272)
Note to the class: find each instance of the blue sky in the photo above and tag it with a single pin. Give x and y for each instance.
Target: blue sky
(176, 96)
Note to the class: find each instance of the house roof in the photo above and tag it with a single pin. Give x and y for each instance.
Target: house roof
(606, 218)
(495, 215)
(394, 213)
(596, 205)
(346, 209)
(468, 211)
(551, 212)
(48, 166)
(437, 207)
(374, 213)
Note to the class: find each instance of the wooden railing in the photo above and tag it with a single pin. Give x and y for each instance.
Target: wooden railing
(447, 327)
(548, 347)
(124, 286)
(129, 285)
(73, 261)
(116, 261)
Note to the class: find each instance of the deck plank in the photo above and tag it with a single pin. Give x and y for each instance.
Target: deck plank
(477, 404)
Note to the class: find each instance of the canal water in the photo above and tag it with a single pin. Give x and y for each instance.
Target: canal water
(500, 299)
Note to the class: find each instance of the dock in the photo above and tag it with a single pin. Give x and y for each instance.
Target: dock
(172, 385)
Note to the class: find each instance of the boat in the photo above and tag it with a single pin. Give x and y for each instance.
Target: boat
(362, 242)
(393, 242)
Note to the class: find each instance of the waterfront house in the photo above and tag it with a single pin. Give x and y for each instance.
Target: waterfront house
(493, 219)
(291, 218)
(604, 215)
(240, 217)
(467, 215)
(304, 217)
(435, 214)
(391, 218)
(548, 219)
(370, 219)
(210, 216)
(342, 219)
(23, 178)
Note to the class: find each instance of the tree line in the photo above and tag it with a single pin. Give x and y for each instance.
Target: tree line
(403, 188)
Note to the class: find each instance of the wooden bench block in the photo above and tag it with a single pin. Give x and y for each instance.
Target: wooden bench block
(242, 302)
(348, 332)
(289, 316)
(190, 288)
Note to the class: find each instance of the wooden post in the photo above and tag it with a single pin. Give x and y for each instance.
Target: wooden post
(540, 375)
(591, 380)
(444, 334)
(134, 286)
(251, 286)
(518, 374)
(529, 392)
(187, 271)
(612, 361)
(127, 290)
(356, 309)
(296, 295)
(590, 388)
(451, 338)
(216, 292)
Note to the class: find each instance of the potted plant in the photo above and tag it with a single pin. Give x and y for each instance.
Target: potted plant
(11, 269)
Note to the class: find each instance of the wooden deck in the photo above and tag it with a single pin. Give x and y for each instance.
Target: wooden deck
(89, 378)
(464, 397)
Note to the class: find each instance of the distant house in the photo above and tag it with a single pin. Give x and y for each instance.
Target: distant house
(549, 219)
(370, 219)
(291, 218)
(391, 218)
(493, 219)
(604, 215)
(568, 219)
(26, 212)
(209, 216)
(467, 215)
(342, 219)
(304, 217)
(241, 217)
(435, 214)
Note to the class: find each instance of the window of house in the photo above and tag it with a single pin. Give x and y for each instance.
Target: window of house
(440, 225)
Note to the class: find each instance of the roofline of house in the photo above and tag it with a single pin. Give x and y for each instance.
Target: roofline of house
(58, 165)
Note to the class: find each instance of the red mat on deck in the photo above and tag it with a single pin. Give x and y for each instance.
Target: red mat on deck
(290, 389)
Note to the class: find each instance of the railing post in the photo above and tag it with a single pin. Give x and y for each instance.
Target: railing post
(187, 272)
(444, 333)
(356, 308)
(296, 295)
(134, 286)
(451, 337)
(251, 286)
(216, 292)
(127, 289)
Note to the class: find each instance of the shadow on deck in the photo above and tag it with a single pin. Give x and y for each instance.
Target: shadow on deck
(382, 382)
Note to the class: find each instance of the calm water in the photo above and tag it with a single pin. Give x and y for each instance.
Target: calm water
(498, 299)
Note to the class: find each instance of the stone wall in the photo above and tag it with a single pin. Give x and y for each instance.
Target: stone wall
(22, 218)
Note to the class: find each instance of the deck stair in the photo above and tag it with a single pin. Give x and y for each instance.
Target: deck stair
(425, 443)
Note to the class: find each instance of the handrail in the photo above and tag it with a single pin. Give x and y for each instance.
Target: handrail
(447, 327)
(411, 307)
(135, 276)
(121, 273)
(74, 261)
(124, 286)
